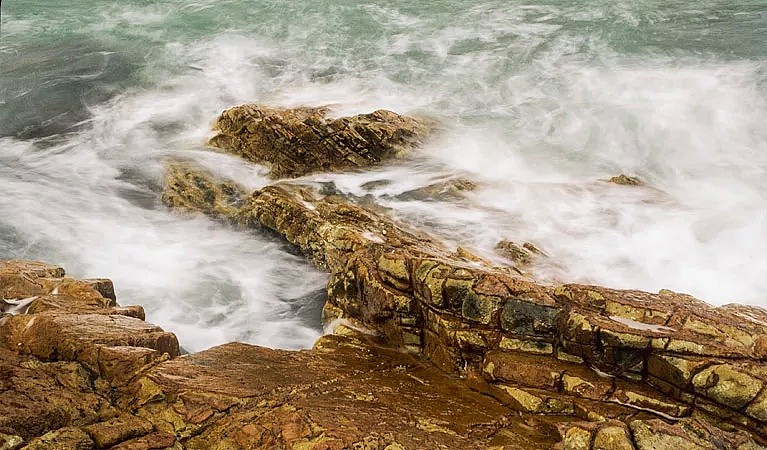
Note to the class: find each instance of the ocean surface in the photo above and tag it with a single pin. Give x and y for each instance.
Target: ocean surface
(540, 102)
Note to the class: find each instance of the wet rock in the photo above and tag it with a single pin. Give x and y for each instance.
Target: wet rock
(62, 359)
(517, 254)
(612, 437)
(81, 337)
(10, 442)
(120, 429)
(345, 392)
(153, 441)
(186, 188)
(726, 385)
(597, 347)
(449, 190)
(625, 180)
(299, 141)
(21, 279)
(688, 434)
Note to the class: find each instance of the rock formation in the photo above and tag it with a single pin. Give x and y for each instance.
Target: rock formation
(437, 348)
(643, 365)
(300, 141)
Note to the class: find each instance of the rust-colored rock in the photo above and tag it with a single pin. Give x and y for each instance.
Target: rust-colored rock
(299, 141)
(345, 392)
(64, 355)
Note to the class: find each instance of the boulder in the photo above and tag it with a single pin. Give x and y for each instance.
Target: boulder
(299, 141)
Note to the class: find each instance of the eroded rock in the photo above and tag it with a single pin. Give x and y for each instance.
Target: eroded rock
(299, 141)
(600, 348)
(63, 358)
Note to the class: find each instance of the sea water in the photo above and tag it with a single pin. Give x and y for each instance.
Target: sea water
(539, 102)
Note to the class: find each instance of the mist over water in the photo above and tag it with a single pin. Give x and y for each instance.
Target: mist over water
(539, 101)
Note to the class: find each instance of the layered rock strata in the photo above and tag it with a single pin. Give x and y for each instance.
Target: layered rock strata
(300, 141)
(589, 353)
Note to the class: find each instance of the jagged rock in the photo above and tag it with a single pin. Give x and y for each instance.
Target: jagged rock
(67, 438)
(523, 365)
(299, 141)
(119, 429)
(20, 279)
(62, 358)
(450, 190)
(10, 442)
(688, 434)
(625, 180)
(666, 354)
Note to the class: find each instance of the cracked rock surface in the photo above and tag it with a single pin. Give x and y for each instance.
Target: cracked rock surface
(299, 141)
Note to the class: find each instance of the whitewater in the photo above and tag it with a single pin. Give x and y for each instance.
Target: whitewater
(539, 102)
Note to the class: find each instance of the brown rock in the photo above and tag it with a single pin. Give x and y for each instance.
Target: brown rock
(79, 337)
(55, 356)
(37, 397)
(625, 180)
(612, 437)
(10, 441)
(152, 441)
(20, 279)
(348, 392)
(295, 142)
(67, 438)
(451, 190)
(113, 431)
(687, 434)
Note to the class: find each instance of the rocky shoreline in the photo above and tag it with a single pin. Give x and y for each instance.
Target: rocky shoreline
(437, 347)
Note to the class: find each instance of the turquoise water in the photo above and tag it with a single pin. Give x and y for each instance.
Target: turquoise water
(539, 101)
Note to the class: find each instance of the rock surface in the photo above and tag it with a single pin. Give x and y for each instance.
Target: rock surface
(584, 352)
(299, 141)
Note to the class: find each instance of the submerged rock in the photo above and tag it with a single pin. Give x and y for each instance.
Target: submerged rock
(625, 180)
(300, 141)
(582, 352)
(449, 190)
(519, 254)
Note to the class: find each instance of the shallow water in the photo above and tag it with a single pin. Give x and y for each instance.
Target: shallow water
(539, 101)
